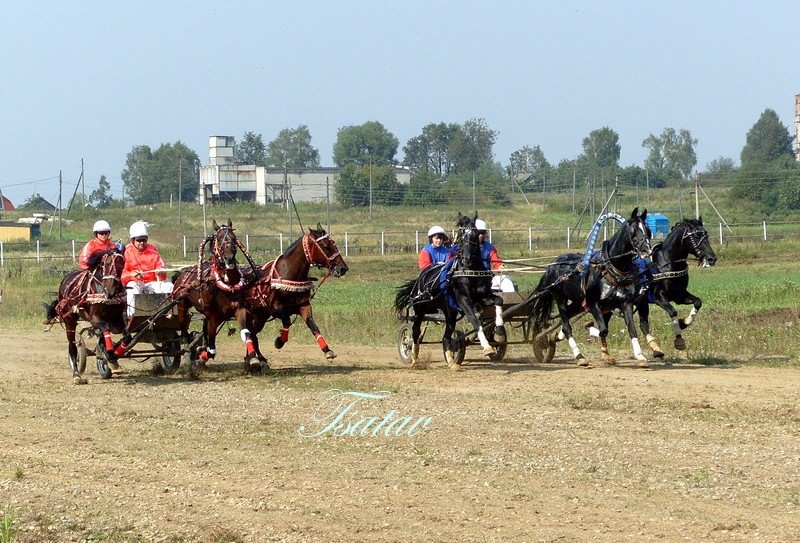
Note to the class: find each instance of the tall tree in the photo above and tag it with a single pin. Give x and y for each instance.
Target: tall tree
(721, 165)
(672, 150)
(768, 140)
(527, 160)
(292, 149)
(368, 143)
(601, 148)
(433, 149)
(251, 150)
(352, 186)
(152, 177)
(473, 145)
(101, 196)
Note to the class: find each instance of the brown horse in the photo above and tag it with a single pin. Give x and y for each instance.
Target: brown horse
(284, 288)
(96, 296)
(215, 288)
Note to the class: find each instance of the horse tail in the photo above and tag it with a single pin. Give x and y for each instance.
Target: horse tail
(50, 310)
(403, 294)
(543, 305)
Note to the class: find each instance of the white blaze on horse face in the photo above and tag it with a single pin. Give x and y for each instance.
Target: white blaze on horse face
(574, 345)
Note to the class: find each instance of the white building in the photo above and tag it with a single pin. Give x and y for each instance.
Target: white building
(223, 180)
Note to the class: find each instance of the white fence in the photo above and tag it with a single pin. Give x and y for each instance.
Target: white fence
(263, 248)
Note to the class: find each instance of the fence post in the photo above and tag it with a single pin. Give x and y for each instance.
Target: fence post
(569, 236)
(37, 251)
(382, 241)
(346, 253)
(184, 246)
(416, 240)
(764, 224)
(2, 256)
(720, 234)
(490, 235)
(281, 243)
(73, 250)
(247, 242)
(530, 238)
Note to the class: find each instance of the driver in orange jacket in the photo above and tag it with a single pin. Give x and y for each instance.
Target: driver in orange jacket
(100, 244)
(141, 262)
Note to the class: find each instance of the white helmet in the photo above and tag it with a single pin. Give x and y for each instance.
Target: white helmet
(138, 229)
(480, 224)
(436, 230)
(101, 226)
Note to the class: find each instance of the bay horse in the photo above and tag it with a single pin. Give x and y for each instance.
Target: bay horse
(667, 279)
(609, 282)
(216, 289)
(283, 288)
(96, 296)
(458, 287)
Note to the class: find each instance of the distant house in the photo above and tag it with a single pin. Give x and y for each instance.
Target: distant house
(224, 180)
(6, 204)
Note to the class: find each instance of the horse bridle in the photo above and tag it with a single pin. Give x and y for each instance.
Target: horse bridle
(692, 233)
(312, 246)
(218, 247)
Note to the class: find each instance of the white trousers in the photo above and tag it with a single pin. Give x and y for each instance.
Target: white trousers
(502, 283)
(153, 287)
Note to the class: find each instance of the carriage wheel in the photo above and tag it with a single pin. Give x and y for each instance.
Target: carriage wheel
(83, 352)
(459, 341)
(171, 359)
(544, 348)
(405, 343)
(499, 352)
(102, 364)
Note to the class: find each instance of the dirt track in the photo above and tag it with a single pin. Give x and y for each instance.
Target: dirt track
(513, 452)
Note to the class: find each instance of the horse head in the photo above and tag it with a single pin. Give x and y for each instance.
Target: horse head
(111, 268)
(637, 233)
(698, 244)
(321, 251)
(469, 247)
(223, 245)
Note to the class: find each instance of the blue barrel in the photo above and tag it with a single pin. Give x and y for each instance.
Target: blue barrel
(658, 224)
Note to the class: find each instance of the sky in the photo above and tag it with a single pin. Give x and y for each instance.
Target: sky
(90, 80)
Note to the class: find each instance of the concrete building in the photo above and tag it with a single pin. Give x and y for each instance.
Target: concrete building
(223, 180)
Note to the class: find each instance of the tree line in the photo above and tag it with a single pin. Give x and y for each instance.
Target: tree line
(454, 162)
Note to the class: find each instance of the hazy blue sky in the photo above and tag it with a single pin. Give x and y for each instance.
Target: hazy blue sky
(92, 79)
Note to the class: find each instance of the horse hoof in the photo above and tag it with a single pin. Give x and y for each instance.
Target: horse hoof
(680, 344)
(330, 355)
(79, 380)
(658, 353)
(279, 343)
(581, 361)
(500, 335)
(643, 364)
(454, 367)
(488, 350)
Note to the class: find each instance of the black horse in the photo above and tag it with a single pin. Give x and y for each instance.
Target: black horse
(668, 278)
(461, 285)
(609, 282)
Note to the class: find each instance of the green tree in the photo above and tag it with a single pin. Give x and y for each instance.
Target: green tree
(473, 145)
(527, 160)
(352, 187)
(292, 149)
(601, 149)
(151, 177)
(101, 196)
(768, 140)
(369, 143)
(720, 166)
(424, 189)
(433, 149)
(672, 150)
(251, 150)
(35, 202)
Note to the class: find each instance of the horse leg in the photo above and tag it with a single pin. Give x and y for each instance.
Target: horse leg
(499, 328)
(70, 324)
(566, 331)
(447, 340)
(627, 313)
(210, 325)
(251, 360)
(643, 308)
(286, 322)
(256, 324)
(107, 344)
(696, 302)
(306, 313)
(602, 332)
(466, 308)
(680, 343)
(416, 331)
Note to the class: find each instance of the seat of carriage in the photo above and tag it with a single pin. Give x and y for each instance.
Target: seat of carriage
(146, 306)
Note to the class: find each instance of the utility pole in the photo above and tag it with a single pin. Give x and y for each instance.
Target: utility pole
(680, 199)
(474, 208)
(83, 183)
(574, 175)
(647, 178)
(697, 196)
(328, 201)
(60, 180)
(180, 189)
(370, 185)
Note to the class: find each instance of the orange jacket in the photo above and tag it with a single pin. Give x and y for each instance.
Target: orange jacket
(95, 244)
(144, 261)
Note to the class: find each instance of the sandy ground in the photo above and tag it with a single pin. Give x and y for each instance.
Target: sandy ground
(510, 452)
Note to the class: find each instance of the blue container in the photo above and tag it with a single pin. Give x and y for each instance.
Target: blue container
(658, 224)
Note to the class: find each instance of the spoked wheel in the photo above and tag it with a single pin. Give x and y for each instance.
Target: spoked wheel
(544, 345)
(459, 342)
(405, 343)
(171, 359)
(499, 352)
(103, 368)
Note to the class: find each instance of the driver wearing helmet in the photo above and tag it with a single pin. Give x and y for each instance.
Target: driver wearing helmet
(96, 247)
(492, 260)
(437, 250)
(143, 271)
